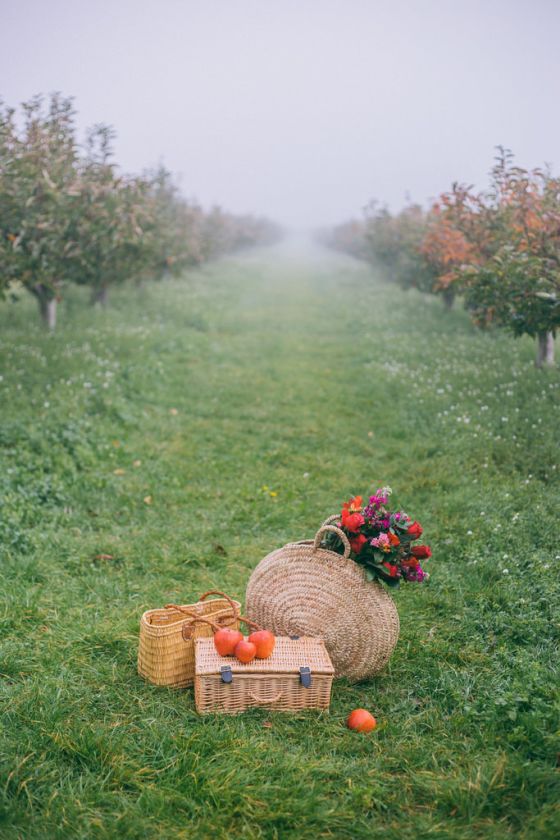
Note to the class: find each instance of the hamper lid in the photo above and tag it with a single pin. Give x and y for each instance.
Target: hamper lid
(288, 656)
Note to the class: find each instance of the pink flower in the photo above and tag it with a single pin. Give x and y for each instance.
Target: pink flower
(382, 542)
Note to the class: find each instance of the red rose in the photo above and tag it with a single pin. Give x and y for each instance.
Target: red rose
(393, 570)
(415, 530)
(421, 551)
(357, 543)
(410, 562)
(393, 539)
(352, 521)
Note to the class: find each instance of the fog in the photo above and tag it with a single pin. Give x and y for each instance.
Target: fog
(299, 109)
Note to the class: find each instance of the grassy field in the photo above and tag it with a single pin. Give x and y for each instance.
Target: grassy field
(161, 448)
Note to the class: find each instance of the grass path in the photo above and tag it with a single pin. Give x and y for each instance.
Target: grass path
(197, 425)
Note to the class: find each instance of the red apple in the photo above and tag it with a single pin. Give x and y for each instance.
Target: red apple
(264, 641)
(361, 721)
(225, 640)
(245, 651)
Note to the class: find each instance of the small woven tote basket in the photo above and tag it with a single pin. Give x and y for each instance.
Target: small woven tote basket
(303, 589)
(166, 648)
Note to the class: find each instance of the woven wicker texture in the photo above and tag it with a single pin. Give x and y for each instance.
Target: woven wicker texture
(286, 658)
(307, 590)
(166, 647)
(273, 683)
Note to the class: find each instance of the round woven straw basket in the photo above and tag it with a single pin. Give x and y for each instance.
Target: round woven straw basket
(307, 590)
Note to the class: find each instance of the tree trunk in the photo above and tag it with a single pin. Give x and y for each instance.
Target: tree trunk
(545, 349)
(448, 299)
(47, 308)
(47, 301)
(99, 295)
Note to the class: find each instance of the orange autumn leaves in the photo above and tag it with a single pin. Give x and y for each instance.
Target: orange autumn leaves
(520, 211)
(446, 248)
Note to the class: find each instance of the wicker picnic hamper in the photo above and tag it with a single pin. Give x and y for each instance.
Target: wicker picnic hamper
(166, 648)
(308, 590)
(298, 675)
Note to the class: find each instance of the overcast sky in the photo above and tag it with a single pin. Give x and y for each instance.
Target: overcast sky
(300, 109)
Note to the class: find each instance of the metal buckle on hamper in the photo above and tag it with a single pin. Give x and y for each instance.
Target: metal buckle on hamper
(226, 674)
(305, 676)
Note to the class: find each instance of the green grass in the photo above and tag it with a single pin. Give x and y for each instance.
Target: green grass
(308, 377)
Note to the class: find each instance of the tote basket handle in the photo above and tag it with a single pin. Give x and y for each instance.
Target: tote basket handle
(188, 626)
(333, 530)
(185, 611)
(222, 595)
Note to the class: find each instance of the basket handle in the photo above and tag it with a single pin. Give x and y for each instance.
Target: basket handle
(188, 626)
(332, 519)
(183, 610)
(249, 623)
(191, 614)
(333, 530)
(222, 595)
(263, 700)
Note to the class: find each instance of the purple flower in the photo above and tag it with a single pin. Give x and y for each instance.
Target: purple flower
(372, 513)
(416, 574)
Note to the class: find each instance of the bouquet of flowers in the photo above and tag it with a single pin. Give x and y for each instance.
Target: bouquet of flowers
(382, 540)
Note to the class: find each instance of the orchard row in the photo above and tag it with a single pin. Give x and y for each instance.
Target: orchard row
(69, 215)
(498, 249)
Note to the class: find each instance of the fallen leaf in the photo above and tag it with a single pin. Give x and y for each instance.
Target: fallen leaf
(147, 500)
(119, 472)
(103, 557)
(116, 443)
(137, 463)
(173, 411)
(267, 724)
(370, 434)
